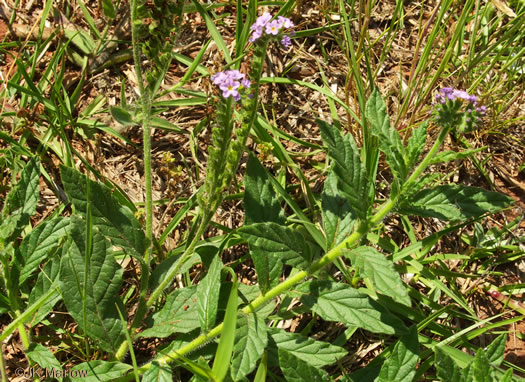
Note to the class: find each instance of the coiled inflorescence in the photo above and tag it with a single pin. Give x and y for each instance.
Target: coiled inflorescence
(264, 25)
(458, 109)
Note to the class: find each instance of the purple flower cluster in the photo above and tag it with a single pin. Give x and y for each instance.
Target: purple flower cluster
(263, 26)
(231, 82)
(449, 109)
(454, 94)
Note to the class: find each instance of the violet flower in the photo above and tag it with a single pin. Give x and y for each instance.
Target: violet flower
(482, 110)
(286, 41)
(230, 82)
(263, 26)
(257, 27)
(285, 22)
(273, 27)
(229, 88)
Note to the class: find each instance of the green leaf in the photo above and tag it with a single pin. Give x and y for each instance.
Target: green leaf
(415, 145)
(447, 156)
(249, 293)
(122, 116)
(163, 269)
(158, 373)
(90, 285)
(341, 303)
(350, 173)
(507, 377)
(223, 355)
(467, 374)
(270, 245)
(454, 202)
(109, 9)
(315, 353)
(480, 368)
(262, 370)
(8, 227)
(260, 201)
(47, 279)
(286, 243)
(179, 314)
(296, 370)
(43, 357)
(338, 217)
(22, 198)
(115, 220)
(20, 203)
(401, 366)
(368, 373)
(200, 369)
(81, 39)
(389, 139)
(97, 371)
(167, 125)
(4, 304)
(376, 267)
(38, 245)
(495, 352)
(208, 295)
(197, 365)
(447, 369)
(415, 186)
(251, 339)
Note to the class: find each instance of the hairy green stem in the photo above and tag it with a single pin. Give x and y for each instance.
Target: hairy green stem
(217, 199)
(25, 342)
(22, 331)
(145, 102)
(292, 281)
(185, 256)
(146, 304)
(213, 191)
(390, 203)
(14, 302)
(260, 301)
(2, 367)
(426, 161)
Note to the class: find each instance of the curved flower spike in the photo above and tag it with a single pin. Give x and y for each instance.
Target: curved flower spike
(451, 110)
(263, 26)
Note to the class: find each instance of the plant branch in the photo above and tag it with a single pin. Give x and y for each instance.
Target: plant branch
(145, 102)
(363, 228)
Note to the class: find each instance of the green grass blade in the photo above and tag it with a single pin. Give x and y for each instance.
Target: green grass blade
(89, 19)
(214, 32)
(221, 364)
(44, 15)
